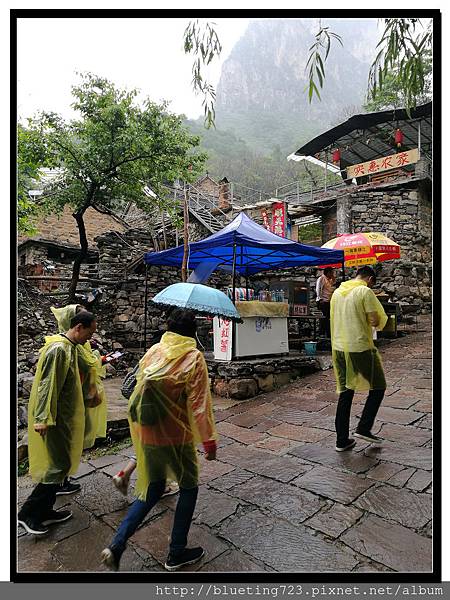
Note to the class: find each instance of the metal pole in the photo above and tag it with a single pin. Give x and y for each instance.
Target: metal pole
(326, 169)
(233, 273)
(343, 271)
(145, 307)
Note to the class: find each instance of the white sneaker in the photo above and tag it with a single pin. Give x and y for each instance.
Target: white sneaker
(121, 482)
(171, 489)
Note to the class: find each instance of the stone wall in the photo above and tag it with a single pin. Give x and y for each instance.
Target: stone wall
(121, 310)
(248, 378)
(404, 214)
(62, 227)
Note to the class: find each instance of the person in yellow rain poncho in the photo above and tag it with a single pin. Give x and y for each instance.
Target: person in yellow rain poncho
(92, 372)
(55, 422)
(170, 411)
(355, 310)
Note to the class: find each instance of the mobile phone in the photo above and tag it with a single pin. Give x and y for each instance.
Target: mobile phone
(113, 356)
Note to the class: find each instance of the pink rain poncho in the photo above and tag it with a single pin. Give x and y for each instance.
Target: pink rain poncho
(356, 361)
(170, 411)
(92, 372)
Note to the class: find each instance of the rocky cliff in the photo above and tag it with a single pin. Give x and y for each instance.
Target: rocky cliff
(261, 93)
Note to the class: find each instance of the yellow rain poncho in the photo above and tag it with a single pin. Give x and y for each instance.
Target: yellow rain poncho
(56, 400)
(356, 361)
(170, 411)
(92, 371)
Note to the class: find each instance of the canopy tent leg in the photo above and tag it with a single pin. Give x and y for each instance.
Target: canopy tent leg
(145, 308)
(233, 274)
(343, 271)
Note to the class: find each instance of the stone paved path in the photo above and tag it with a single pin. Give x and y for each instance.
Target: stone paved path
(279, 498)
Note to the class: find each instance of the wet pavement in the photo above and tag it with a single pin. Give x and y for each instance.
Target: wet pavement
(279, 497)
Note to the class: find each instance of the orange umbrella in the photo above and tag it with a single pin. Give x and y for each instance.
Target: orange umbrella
(364, 248)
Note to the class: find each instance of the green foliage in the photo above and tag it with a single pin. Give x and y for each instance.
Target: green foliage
(203, 42)
(31, 155)
(392, 95)
(105, 157)
(230, 156)
(316, 61)
(109, 448)
(115, 148)
(310, 232)
(402, 60)
(22, 468)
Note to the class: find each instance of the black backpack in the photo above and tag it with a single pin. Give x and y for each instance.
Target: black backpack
(129, 383)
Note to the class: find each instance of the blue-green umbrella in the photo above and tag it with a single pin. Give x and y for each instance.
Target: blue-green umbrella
(199, 298)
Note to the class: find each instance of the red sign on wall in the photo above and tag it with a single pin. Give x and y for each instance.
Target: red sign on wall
(279, 218)
(265, 219)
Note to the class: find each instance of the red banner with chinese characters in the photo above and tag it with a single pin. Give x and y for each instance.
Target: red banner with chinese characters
(265, 219)
(279, 218)
(394, 161)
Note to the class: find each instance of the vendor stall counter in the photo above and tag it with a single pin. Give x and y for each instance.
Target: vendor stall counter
(264, 331)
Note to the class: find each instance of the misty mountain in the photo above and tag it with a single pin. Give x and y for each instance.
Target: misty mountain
(261, 93)
(262, 110)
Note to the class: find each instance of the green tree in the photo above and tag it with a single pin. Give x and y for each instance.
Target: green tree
(31, 155)
(116, 147)
(391, 95)
(403, 60)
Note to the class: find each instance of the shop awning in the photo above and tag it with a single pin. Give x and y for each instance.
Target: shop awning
(254, 248)
(368, 136)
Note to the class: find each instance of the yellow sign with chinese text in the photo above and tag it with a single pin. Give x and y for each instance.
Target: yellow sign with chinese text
(394, 161)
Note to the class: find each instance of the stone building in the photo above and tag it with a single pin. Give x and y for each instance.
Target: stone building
(396, 201)
(50, 253)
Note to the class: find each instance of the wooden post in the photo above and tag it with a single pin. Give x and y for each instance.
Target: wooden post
(185, 235)
(163, 223)
(145, 307)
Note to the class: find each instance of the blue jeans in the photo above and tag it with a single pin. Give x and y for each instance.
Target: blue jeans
(139, 509)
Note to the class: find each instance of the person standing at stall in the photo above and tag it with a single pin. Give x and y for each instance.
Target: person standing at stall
(169, 412)
(357, 364)
(55, 422)
(324, 289)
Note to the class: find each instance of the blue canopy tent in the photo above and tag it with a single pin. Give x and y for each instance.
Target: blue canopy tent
(244, 247)
(247, 248)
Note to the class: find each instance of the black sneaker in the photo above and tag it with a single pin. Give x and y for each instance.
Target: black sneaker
(32, 526)
(351, 443)
(67, 487)
(57, 516)
(369, 437)
(111, 558)
(189, 556)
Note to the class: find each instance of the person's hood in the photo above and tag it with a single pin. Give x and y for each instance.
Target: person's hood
(175, 345)
(348, 286)
(63, 316)
(51, 339)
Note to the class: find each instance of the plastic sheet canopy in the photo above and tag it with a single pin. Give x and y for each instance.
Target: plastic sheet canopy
(253, 247)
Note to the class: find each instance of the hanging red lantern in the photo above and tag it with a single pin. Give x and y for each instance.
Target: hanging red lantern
(336, 155)
(398, 137)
